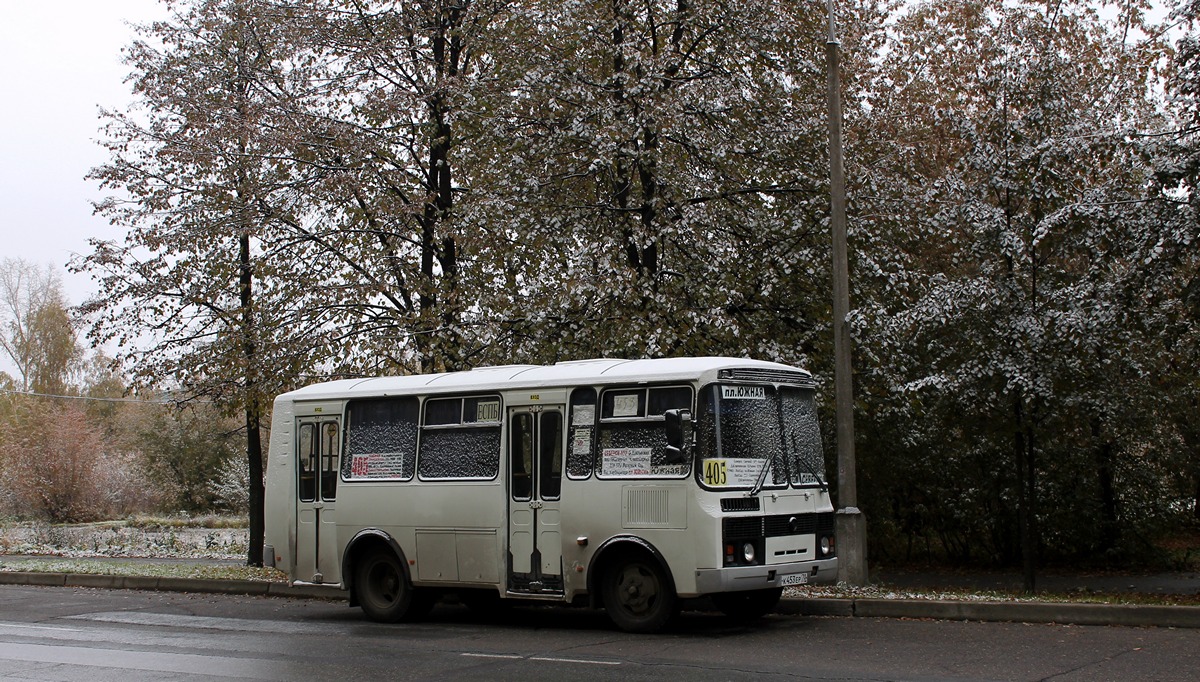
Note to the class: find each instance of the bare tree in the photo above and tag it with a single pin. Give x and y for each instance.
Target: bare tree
(36, 331)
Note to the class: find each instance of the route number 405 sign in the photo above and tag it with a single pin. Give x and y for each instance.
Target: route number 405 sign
(716, 472)
(720, 473)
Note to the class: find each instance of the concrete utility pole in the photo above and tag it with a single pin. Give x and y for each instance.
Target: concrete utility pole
(851, 524)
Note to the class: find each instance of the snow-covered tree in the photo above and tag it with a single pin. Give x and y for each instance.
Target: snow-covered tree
(657, 179)
(1001, 318)
(201, 290)
(1170, 258)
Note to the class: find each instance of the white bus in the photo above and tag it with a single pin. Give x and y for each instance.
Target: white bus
(622, 484)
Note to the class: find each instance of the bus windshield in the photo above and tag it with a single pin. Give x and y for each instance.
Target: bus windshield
(743, 428)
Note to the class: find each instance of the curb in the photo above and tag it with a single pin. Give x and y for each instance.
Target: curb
(1131, 615)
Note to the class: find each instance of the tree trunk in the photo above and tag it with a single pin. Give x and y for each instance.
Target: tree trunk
(438, 343)
(1109, 527)
(254, 554)
(1026, 493)
(1196, 501)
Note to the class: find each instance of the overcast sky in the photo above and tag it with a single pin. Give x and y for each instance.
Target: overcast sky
(61, 61)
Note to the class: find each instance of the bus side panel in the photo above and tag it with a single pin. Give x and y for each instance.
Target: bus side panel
(449, 531)
(280, 500)
(656, 511)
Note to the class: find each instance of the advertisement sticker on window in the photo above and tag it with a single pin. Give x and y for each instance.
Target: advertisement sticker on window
(625, 462)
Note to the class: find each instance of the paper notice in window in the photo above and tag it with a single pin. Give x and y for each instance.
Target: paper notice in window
(582, 443)
(625, 406)
(583, 415)
(625, 462)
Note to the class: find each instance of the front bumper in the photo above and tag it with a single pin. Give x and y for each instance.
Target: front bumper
(740, 578)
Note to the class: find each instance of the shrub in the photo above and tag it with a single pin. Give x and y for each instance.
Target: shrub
(52, 463)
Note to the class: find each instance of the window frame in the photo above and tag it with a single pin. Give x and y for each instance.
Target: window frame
(644, 403)
(588, 458)
(346, 474)
(462, 426)
(790, 477)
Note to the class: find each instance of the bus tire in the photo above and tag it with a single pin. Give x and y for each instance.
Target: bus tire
(747, 606)
(383, 590)
(637, 595)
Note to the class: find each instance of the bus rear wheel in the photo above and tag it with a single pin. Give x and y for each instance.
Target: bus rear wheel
(748, 606)
(384, 592)
(637, 595)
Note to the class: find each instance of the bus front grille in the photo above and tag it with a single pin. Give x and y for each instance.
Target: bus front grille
(739, 504)
(777, 525)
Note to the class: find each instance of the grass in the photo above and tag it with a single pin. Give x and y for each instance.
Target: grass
(207, 547)
(161, 537)
(210, 521)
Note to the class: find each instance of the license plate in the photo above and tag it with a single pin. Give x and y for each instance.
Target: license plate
(794, 579)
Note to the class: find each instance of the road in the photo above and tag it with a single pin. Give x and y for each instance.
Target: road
(73, 634)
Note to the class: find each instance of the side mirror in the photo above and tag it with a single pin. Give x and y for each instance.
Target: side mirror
(679, 435)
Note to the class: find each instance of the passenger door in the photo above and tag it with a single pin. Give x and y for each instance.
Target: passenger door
(317, 450)
(535, 463)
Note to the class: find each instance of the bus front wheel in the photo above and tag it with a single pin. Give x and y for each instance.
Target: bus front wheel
(637, 595)
(383, 591)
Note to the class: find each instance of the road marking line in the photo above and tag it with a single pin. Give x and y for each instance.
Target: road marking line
(549, 659)
(573, 660)
(17, 626)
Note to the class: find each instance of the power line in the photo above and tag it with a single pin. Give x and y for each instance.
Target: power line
(33, 394)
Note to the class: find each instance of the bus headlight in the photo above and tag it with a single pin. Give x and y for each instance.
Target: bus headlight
(748, 552)
(826, 545)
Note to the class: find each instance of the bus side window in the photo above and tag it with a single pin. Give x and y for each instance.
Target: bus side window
(632, 437)
(306, 453)
(381, 439)
(460, 439)
(329, 461)
(581, 433)
(550, 467)
(521, 457)
(669, 398)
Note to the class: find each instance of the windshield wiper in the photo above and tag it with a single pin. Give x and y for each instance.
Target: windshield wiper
(807, 465)
(762, 478)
